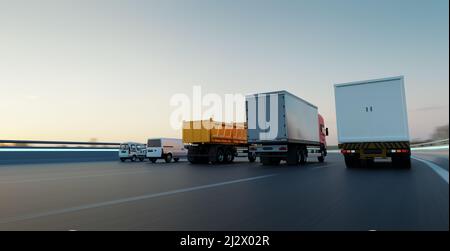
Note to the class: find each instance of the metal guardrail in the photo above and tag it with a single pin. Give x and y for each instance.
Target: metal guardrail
(432, 143)
(37, 144)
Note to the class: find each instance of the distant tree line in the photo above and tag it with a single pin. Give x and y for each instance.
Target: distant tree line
(441, 132)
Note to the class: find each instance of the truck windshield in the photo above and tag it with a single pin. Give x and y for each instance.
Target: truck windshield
(123, 147)
(154, 143)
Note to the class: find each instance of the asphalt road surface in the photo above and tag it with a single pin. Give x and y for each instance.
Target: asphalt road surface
(111, 195)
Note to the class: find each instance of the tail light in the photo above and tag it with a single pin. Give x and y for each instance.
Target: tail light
(400, 151)
(282, 148)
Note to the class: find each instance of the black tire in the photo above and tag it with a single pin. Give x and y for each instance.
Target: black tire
(153, 160)
(369, 162)
(133, 159)
(293, 157)
(402, 162)
(168, 158)
(176, 159)
(219, 156)
(302, 157)
(351, 162)
(251, 157)
(141, 159)
(321, 159)
(191, 156)
(229, 156)
(122, 159)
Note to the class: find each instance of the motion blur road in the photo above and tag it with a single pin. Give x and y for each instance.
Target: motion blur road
(111, 195)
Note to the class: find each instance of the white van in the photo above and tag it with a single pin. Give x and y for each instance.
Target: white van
(165, 148)
(132, 151)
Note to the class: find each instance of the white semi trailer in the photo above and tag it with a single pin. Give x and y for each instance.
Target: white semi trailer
(285, 127)
(372, 121)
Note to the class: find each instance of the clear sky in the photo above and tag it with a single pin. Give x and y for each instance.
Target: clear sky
(75, 70)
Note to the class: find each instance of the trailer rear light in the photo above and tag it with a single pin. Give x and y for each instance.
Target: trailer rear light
(282, 148)
(347, 151)
(400, 151)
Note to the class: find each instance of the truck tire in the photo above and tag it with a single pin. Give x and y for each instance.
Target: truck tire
(402, 162)
(122, 159)
(168, 158)
(141, 159)
(176, 159)
(153, 160)
(293, 156)
(133, 159)
(219, 156)
(321, 159)
(251, 157)
(229, 157)
(302, 157)
(351, 162)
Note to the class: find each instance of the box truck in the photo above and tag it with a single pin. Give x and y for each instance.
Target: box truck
(285, 127)
(216, 142)
(165, 148)
(372, 121)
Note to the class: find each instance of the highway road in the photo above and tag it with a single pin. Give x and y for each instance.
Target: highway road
(111, 195)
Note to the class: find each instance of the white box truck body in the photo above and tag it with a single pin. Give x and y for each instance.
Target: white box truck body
(372, 120)
(284, 127)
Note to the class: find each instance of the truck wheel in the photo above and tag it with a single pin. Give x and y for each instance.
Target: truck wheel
(302, 157)
(293, 156)
(220, 156)
(228, 156)
(251, 157)
(321, 159)
(153, 160)
(122, 159)
(192, 160)
(176, 159)
(351, 162)
(141, 159)
(133, 159)
(168, 158)
(401, 162)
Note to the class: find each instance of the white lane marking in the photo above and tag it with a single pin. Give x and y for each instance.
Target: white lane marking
(437, 169)
(129, 199)
(2, 182)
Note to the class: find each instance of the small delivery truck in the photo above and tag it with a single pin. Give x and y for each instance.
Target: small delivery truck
(285, 127)
(372, 121)
(132, 151)
(167, 149)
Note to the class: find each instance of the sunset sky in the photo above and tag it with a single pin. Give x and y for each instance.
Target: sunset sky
(75, 70)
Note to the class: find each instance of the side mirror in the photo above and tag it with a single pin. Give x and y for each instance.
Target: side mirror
(326, 131)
